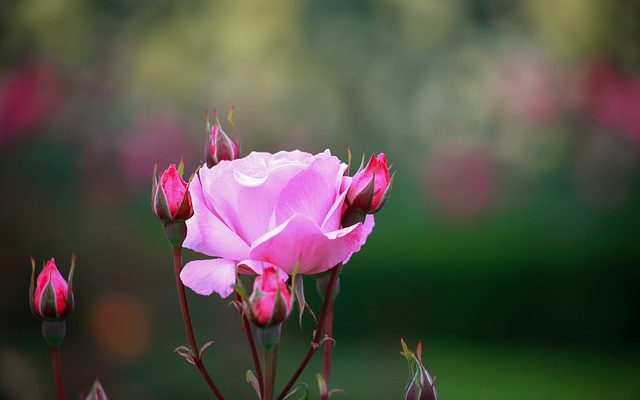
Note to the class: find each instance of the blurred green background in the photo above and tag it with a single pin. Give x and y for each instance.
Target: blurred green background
(509, 245)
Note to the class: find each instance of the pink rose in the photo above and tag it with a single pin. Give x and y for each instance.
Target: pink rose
(271, 300)
(284, 209)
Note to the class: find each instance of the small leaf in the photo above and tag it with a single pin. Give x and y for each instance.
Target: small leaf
(298, 287)
(313, 315)
(322, 385)
(237, 304)
(185, 352)
(206, 346)
(240, 290)
(251, 379)
(301, 389)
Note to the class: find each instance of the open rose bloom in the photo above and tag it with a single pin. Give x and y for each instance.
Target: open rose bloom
(284, 209)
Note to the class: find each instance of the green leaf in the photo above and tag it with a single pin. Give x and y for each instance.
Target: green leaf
(298, 287)
(251, 379)
(301, 390)
(322, 385)
(181, 167)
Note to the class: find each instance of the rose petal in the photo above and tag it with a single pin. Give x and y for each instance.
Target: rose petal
(50, 273)
(174, 188)
(257, 266)
(245, 191)
(333, 219)
(207, 234)
(300, 239)
(207, 276)
(367, 228)
(311, 192)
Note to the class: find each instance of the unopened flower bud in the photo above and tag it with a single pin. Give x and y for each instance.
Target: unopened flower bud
(370, 186)
(51, 297)
(171, 203)
(219, 145)
(170, 197)
(420, 386)
(270, 302)
(96, 392)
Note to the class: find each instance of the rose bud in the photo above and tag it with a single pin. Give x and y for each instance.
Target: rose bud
(51, 298)
(370, 186)
(420, 386)
(270, 302)
(96, 392)
(170, 200)
(219, 146)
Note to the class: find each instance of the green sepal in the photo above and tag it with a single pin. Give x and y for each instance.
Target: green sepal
(352, 216)
(269, 336)
(251, 379)
(48, 304)
(385, 195)
(32, 287)
(420, 386)
(301, 389)
(154, 186)
(176, 233)
(181, 167)
(240, 289)
(364, 199)
(323, 388)
(53, 331)
(348, 170)
(69, 306)
(297, 289)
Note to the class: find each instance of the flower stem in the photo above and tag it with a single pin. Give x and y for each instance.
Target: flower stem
(186, 317)
(328, 345)
(246, 327)
(56, 367)
(270, 366)
(317, 337)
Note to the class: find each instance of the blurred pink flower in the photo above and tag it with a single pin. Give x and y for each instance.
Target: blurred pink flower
(613, 100)
(28, 96)
(284, 209)
(157, 138)
(462, 182)
(530, 88)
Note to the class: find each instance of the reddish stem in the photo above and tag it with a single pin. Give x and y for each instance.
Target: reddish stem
(317, 337)
(188, 327)
(56, 367)
(328, 345)
(246, 327)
